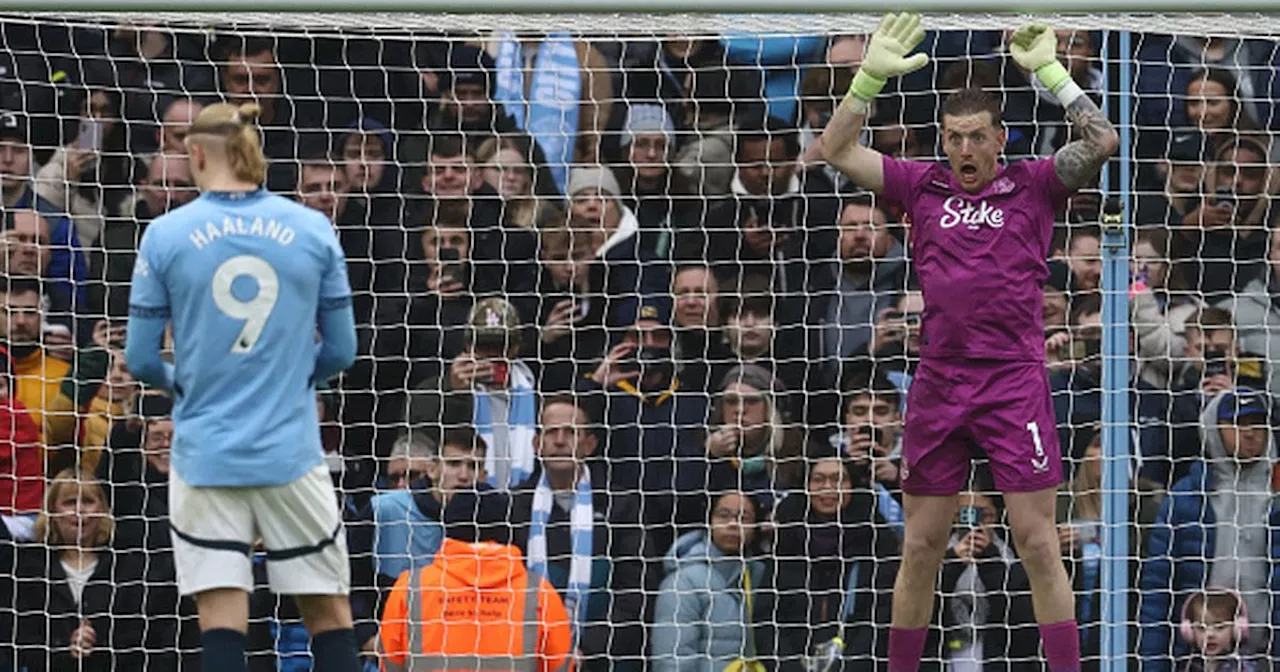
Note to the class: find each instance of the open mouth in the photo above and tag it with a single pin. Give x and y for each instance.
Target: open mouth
(968, 171)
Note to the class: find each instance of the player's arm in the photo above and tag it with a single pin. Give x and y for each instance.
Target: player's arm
(335, 318)
(148, 317)
(1035, 47)
(887, 56)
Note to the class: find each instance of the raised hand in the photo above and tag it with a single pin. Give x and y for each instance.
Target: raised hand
(1034, 46)
(888, 54)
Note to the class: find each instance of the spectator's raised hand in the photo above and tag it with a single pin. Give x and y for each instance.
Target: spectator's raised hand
(1212, 385)
(1053, 351)
(465, 371)
(108, 336)
(723, 442)
(610, 372)
(444, 284)
(58, 343)
(1210, 216)
(1068, 539)
(971, 546)
(560, 321)
(890, 328)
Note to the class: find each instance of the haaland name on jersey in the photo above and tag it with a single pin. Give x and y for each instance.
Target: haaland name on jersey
(236, 227)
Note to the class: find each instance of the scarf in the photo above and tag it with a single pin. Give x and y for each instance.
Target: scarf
(550, 113)
(507, 420)
(581, 526)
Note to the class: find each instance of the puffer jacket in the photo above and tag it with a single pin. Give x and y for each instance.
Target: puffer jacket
(700, 621)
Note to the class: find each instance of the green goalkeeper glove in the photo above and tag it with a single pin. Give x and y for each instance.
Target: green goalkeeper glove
(887, 54)
(1035, 47)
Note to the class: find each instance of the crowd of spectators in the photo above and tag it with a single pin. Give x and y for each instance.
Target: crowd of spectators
(615, 274)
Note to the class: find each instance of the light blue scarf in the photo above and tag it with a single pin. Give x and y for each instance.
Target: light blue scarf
(581, 526)
(507, 426)
(550, 114)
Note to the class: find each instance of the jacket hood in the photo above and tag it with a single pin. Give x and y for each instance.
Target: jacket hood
(483, 565)
(695, 548)
(628, 225)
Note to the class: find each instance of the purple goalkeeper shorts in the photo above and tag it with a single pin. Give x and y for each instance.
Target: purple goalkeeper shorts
(956, 409)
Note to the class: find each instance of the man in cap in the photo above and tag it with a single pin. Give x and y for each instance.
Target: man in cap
(651, 424)
(466, 97)
(1216, 528)
(489, 388)
(1181, 180)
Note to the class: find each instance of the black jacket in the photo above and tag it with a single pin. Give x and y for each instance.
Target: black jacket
(624, 572)
(113, 603)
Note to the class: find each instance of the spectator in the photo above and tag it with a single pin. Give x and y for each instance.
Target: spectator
(571, 317)
(871, 436)
(1084, 259)
(512, 166)
(895, 342)
(1159, 308)
(175, 123)
(1256, 315)
(373, 181)
(1214, 529)
(1055, 309)
(707, 158)
(108, 405)
(752, 333)
(68, 267)
(651, 424)
(1180, 186)
(866, 278)
(985, 610)
(703, 619)
(402, 528)
(1221, 244)
(410, 462)
(80, 605)
(1215, 624)
(661, 198)
(249, 71)
(445, 611)
(700, 347)
(566, 119)
(586, 540)
(26, 242)
(89, 179)
(1213, 105)
(836, 567)
(596, 206)
(1213, 361)
(488, 387)
(502, 253)
(168, 184)
(21, 462)
(821, 90)
(136, 469)
(781, 60)
(691, 78)
(38, 375)
(751, 444)
(466, 89)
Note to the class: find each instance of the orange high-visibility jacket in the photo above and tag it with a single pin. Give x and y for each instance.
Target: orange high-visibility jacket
(475, 609)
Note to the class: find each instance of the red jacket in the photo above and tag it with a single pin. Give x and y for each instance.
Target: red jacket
(21, 461)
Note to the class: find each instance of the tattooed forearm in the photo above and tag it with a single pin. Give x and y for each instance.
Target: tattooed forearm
(1079, 161)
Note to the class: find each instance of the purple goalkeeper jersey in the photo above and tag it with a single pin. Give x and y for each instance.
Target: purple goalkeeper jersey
(982, 259)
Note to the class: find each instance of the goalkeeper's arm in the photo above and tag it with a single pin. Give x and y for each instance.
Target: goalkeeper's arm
(887, 56)
(1034, 47)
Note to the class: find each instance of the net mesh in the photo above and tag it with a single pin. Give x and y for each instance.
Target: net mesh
(595, 182)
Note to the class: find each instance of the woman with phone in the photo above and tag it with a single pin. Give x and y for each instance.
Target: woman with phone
(91, 177)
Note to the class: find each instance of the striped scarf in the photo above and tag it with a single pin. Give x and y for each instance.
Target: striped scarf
(550, 113)
(507, 420)
(581, 526)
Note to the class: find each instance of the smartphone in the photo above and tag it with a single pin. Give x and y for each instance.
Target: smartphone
(90, 136)
(501, 371)
(154, 406)
(1224, 196)
(970, 516)
(912, 319)
(53, 328)
(873, 433)
(1215, 363)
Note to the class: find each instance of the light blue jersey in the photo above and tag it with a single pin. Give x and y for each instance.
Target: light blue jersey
(243, 277)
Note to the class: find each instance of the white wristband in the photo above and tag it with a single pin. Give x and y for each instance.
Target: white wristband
(857, 105)
(1067, 93)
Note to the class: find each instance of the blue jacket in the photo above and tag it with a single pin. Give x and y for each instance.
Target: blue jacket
(1177, 563)
(782, 59)
(700, 620)
(68, 266)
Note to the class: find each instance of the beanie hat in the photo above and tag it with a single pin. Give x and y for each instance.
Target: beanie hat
(646, 119)
(596, 177)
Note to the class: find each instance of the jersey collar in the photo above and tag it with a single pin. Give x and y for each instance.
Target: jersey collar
(235, 196)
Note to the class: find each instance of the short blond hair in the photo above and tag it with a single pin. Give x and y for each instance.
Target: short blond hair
(236, 125)
(87, 485)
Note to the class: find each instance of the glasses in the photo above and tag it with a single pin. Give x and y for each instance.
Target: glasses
(731, 516)
(406, 477)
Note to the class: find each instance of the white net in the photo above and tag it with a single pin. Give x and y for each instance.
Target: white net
(560, 184)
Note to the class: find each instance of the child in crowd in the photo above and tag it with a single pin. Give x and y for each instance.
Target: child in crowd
(1216, 625)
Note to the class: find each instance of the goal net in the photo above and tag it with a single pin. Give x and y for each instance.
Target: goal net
(599, 264)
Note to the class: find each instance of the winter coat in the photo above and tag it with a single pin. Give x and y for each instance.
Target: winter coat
(1257, 320)
(700, 619)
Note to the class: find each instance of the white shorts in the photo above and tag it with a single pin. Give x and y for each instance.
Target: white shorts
(214, 531)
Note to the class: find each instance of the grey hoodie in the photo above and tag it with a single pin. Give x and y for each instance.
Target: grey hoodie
(1241, 501)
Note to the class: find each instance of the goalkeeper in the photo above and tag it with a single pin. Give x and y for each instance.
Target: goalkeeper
(980, 236)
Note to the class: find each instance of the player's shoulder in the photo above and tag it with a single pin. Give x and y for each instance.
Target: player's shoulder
(303, 220)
